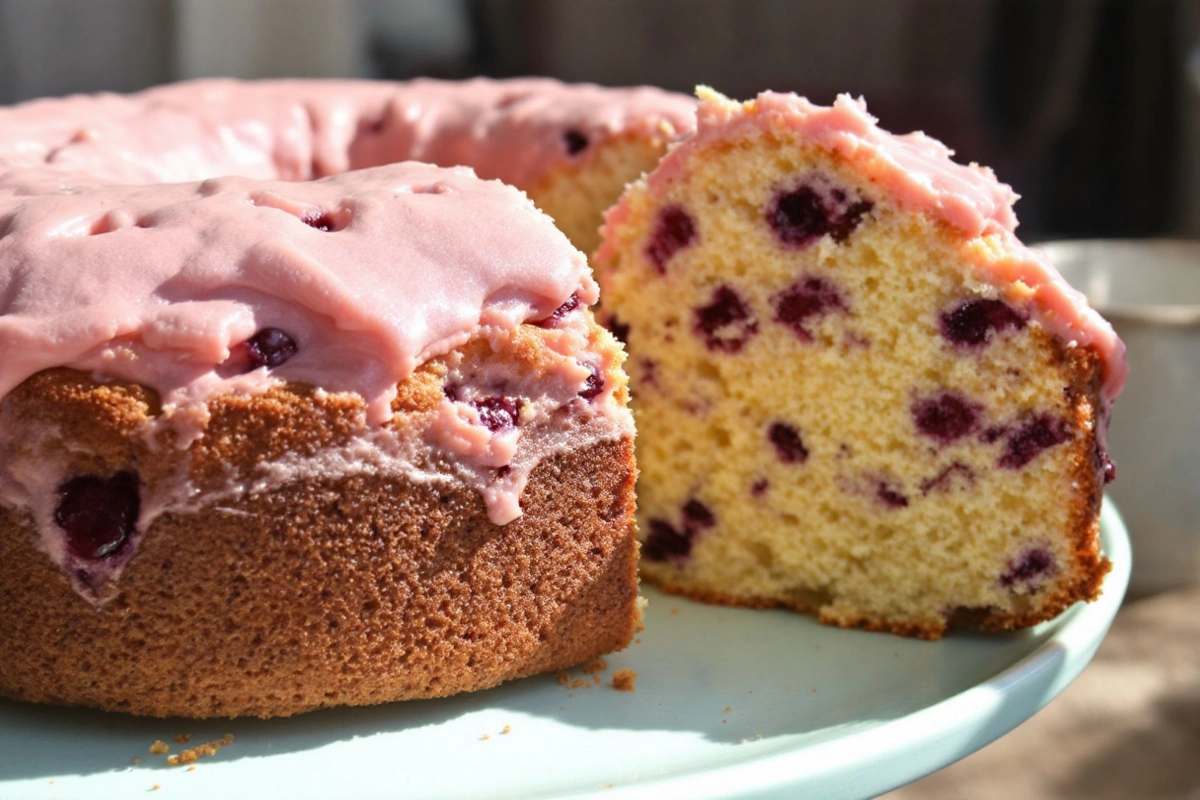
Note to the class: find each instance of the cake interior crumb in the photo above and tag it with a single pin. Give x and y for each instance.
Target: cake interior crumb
(183, 738)
(159, 747)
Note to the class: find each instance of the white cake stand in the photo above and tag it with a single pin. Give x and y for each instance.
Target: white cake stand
(730, 703)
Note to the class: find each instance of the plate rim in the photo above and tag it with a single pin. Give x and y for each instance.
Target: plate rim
(779, 775)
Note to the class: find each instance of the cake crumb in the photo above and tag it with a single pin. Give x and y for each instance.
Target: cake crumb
(564, 678)
(638, 640)
(159, 747)
(623, 680)
(728, 709)
(578, 683)
(485, 737)
(183, 738)
(674, 612)
(192, 768)
(136, 760)
(156, 787)
(206, 749)
(606, 786)
(592, 667)
(507, 729)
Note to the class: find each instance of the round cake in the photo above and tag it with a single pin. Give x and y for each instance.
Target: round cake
(277, 442)
(856, 391)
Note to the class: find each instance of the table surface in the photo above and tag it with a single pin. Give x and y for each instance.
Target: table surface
(1129, 727)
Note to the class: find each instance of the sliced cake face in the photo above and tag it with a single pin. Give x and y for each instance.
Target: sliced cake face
(837, 409)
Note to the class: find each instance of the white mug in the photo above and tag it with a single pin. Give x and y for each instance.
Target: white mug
(1150, 291)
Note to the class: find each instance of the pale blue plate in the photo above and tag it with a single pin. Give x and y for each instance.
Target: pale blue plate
(730, 703)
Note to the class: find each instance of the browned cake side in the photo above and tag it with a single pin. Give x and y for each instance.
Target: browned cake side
(349, 590)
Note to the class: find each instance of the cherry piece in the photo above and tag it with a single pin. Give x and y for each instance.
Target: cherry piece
(594, 385)
(725, 324)
(788, 446)
(575, 142)
(555, 319)
(98, 514)
(618, 328)
(665, 542)
(1033, 563)
(972, 323)
(891, 496)
(269, 348)
(674, 230)
(696, 514)
(497, 413)
(1038, 434)
(946, 416)
(805, 299)
(803, 215)
(321, 220)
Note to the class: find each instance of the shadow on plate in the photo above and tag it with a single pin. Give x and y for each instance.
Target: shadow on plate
(731, 676)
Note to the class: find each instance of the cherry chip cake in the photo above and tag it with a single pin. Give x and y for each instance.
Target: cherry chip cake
(856, 391)
(277, 442)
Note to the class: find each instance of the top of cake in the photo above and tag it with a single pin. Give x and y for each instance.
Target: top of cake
(512, 130)
(125, 252)
(919, 172)
(355, 279)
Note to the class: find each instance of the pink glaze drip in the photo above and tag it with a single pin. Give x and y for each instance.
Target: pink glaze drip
(917, 171)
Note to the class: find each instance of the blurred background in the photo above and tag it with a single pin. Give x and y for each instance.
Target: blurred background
(1089, 108)
(1084, 106)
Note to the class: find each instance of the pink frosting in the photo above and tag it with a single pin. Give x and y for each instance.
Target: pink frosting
(156, 284)
(917, 171)
(184, 271)
(127, 251)
(512, 130)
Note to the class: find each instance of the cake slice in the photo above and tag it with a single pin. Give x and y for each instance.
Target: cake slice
(856, 391)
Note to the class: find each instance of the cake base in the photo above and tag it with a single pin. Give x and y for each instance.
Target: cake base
(357, 591)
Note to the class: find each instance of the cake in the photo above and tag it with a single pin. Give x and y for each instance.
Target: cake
(856, 391)
(268, 446)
